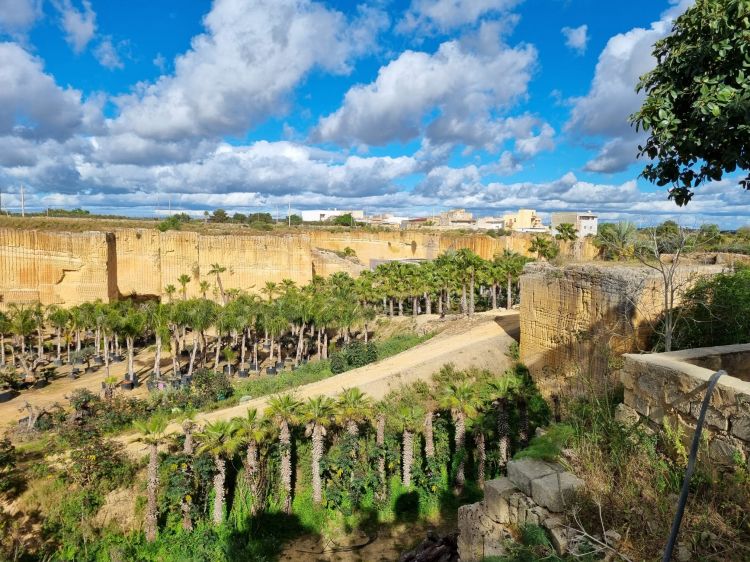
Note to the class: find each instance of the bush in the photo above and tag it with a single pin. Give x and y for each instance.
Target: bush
(339, 363)
(211, 386)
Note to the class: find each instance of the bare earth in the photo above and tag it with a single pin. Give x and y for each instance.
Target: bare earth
(480, 342)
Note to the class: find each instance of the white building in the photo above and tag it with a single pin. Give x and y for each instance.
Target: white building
(318, 215)
(585, 223)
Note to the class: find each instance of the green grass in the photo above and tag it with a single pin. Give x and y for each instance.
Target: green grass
(398, 344)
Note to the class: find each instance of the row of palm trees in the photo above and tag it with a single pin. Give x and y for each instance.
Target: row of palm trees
(282, 315)
(478, 403)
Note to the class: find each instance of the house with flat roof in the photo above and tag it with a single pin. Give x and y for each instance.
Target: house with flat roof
(587, 224)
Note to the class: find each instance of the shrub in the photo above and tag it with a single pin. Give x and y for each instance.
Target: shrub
(338, 363)
(210, 386)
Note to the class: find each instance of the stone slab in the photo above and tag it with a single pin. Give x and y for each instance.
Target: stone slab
(496, 499)
(523, 472)
(555, 491)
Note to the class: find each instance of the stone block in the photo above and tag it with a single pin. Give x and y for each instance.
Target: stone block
(479, 536)
(626, 415)
(560, 538)
(555, 491)
(741, 427)
(651, 385)
(714, 417)
(524, 471)
(642, 404)
(724, 449)
(496, 499)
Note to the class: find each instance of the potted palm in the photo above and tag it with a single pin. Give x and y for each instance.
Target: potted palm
(230, 355)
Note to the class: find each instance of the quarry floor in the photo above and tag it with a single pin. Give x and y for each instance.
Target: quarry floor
(481, 342)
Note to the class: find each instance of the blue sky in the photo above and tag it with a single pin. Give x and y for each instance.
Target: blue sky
(404, 106)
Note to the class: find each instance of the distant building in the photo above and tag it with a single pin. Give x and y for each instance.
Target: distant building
(386, 220)
(525, 220)
(456, 218)
(585, 223)
(326, 215)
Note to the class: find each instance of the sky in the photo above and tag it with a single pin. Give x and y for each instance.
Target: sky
(408, 106)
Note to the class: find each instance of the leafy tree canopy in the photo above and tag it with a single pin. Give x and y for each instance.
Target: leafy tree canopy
(697, 106)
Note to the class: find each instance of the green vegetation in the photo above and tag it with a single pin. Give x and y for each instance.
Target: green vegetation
(698, 99)
(323, 467)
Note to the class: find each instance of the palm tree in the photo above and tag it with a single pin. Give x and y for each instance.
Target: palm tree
(188, 425)
(462, 401)
(284, 410)
(511, 265)
(38, 313)
(203, 287)
(408, 416)
(22, 325)
(380, 419)
(617, 241)
(426, 396)
(566, 232)
(152, 432)
(544, 247)
(217, 270)
(500, 391)
(352, 408)
(183, 280)
(59, 318)
(200, 315)
(157, 321)
(270, 289)
(5, 328)
(170, 290)
(251, 432)
(317, 414)
(132, 325)
(215, 441)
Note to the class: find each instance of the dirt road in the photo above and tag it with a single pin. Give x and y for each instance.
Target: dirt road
(480, 342)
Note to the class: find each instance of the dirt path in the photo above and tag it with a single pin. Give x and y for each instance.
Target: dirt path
(480, 342)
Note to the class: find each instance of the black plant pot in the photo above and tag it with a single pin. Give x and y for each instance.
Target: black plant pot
(126, 385)
(271, 371)
(75, 371)
(227, 370)
(136, 382)
(243, 374)
(40, 384)
(89, 369)
(99, 360)
(73, 376)
(279, 365)
(57, 362)
(254, 367)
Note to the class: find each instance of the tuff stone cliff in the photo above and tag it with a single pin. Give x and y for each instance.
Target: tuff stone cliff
(575, 319)
(69, 268)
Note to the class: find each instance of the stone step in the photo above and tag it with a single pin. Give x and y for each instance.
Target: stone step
(523, 472)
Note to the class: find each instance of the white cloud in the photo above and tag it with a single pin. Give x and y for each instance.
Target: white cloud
(244, 67)
(612, 98)
(31, 104)
(444, 15)
(107, 54)
(576, 38)
(457, 87)
(79, 25)
(18, 16)
(160, 62)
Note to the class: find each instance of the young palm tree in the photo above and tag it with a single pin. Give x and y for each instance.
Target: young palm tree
(317, 414)
(544, 247)
(183, 280)
(188, 425)
(462, 401)
(170, 290)
(381, 411)
(59, 318)
(352, 408)
(251, 432)
(511, 265)
(426, 396)
(203, 287)
(407, 415)
(5, 328)
(566, 232)
(132, 325)
(157, 320)
(152, 432)
(215, 441)
(284, 411)
(217, 270)
(500, 391)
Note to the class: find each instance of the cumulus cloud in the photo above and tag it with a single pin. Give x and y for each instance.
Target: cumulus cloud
(603, 112)
(18, 16)
(576, 38)
(444, 15)
(107, 55)
(455, 90)
(31, 104)
(243, 68)
(79, 25)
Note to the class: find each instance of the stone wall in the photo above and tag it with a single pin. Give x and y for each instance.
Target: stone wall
(55, 267)
(575, 318)
(669, 387)
(69, 268)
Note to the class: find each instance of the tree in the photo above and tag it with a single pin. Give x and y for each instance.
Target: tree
(343, 220)
(132, 324)
(462, 401)
(251, 433)
(152, 432)
(217, 269)
(566, 232)
(203, 287)
(407, 415)
(511, 264)
(616, 240)
(215, 441)
(59, 318)
(698, 99)
(352, 408)
(294, 220)
(317, 414)
(183, 280)
(284, 410)
(544, 247)
(5, 328)
(500, 391)
(219, 215)
(170, 290)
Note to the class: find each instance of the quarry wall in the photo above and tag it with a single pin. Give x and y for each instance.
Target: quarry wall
(576, 319)
(69, 268)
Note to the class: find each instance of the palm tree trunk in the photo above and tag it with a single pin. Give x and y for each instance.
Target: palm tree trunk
(509, 303)
(157, 357)
(153, 485)
(106, 358)
(175, 362)
(352, 428)
(503, 432)
(400, 307)
(59, 346)
(414, 301)
(242, 349)
(407, 457)
(494, 296)
(252, 475)
(317, 455)
(2, 349)
(129, 342)
(427, 304)
(40, 343)
(471, 295)
(192, 357)
(285, 439)
(429, 438)
(78, 340)
(481, 457)
(523, 422)
(459, 421)
(464, 306)
(300, 342)
(218, 351)
(440, 303)
(380, 443)
(390, 307)
(221, 289)
(325, 344)
(219, 479)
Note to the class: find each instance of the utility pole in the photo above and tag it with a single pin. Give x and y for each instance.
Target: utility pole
(289, 213)
(23, 206)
